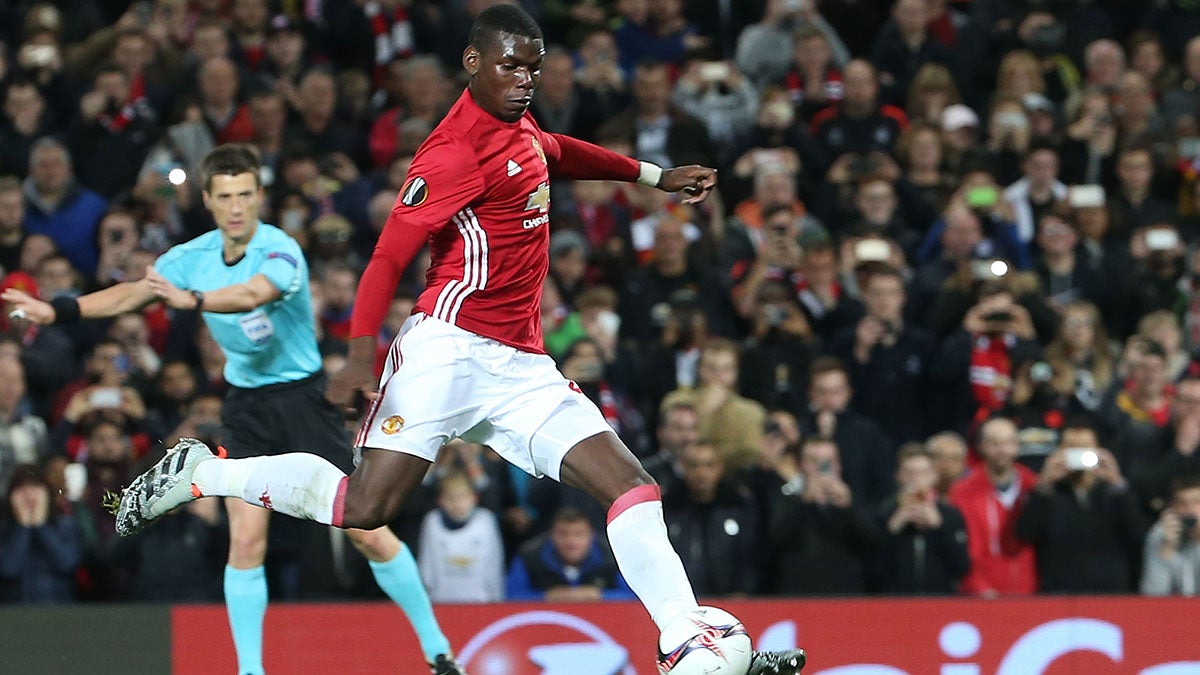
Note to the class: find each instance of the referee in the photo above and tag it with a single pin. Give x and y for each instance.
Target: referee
(250, 282)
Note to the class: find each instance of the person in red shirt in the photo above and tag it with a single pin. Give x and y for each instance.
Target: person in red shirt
(469, 362)
(991, 497)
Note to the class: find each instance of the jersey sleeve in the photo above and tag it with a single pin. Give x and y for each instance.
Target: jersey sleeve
(579, 160)
(444, 178)
(283, 266)
(174, 268)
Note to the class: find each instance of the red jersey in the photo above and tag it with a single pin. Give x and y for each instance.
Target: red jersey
(478, 191)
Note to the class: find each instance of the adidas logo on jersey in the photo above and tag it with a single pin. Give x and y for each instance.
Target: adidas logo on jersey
(513, 168)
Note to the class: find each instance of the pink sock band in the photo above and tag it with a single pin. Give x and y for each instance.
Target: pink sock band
(339, 502)
(638, 495)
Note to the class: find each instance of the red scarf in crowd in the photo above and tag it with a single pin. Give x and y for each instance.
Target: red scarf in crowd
(834, 89)
(393, 35)
(137, 98)
(990, 373)
(608, 406)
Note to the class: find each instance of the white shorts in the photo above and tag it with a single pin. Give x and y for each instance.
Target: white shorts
(441, 382)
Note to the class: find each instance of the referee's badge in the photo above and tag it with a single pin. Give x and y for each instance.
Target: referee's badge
(414, 192)
(392, 424)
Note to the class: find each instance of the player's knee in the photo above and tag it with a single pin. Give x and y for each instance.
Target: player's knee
(366, 513)
(378, 544)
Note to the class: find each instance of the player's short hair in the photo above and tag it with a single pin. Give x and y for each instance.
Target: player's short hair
(10, 184)
(231, 159)
(502, 19)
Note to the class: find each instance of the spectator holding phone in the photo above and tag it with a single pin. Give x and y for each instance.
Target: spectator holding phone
(1082, 509)
(924, 547)
(718, 94)
(105, 386)
(819, 533)
(889, 359)
(1171, 561)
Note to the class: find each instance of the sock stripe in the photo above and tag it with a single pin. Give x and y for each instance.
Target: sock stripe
(339, 503)
(638, 495)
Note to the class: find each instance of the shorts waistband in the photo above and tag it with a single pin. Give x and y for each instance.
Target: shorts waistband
(315, 378)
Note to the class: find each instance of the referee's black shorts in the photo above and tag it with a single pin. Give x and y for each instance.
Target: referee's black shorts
(287, 417)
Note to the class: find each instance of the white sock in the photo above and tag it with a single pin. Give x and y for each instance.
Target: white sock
(650, 565)
(297, 484)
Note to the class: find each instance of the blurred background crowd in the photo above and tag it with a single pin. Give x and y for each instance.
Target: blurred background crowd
(934, 333)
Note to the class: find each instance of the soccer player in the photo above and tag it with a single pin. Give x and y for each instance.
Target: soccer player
(250, 281)
(469, 363)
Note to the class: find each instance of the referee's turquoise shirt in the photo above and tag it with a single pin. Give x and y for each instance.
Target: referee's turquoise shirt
(272, 344)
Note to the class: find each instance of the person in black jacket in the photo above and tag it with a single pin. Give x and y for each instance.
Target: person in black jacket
(1171, 451)
(819, 535)
(924, 549)
(1083, 520)
(888, 359)
(713, 524)
(866, 455)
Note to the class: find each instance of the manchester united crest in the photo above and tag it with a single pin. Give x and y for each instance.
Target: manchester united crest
(392, 424)
(537, 147)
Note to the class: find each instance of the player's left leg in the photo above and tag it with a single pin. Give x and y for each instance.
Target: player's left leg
(396, 573)
(604, 467)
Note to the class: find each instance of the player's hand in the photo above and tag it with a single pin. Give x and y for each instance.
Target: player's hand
(358, 375)
(695, 181)
(168, 292)
(25, 307)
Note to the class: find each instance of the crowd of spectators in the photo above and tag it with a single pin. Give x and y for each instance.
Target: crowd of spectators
(936, 331)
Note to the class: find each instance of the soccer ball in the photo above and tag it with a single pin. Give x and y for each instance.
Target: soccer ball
(707, 641)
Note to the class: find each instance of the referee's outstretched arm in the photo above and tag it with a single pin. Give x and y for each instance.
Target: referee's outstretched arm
(251, 294)
(112, 301)
(130, 296)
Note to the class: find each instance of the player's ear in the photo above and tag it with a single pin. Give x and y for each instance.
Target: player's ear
(470, 60)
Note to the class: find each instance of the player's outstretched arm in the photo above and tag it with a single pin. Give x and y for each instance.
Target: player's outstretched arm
(244, 297)
(109, 302)
(581, 160)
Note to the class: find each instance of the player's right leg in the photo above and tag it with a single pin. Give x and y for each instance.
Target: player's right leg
(297, 484)
(246, 582)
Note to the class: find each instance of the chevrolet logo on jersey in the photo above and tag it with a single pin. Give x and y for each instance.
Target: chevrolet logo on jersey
(539, 200)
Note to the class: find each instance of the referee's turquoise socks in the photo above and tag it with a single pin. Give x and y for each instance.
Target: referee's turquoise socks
(401, 580)
(246, 602)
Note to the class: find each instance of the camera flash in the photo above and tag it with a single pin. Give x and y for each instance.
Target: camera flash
(999, 268)
(177, 176)
(1089, 459)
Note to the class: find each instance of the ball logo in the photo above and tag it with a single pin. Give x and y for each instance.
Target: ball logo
(544, 643)
(392, 424)
(414, 192)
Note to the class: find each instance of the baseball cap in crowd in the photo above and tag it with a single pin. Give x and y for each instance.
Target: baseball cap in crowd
(1035, 102)
(958, 116)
